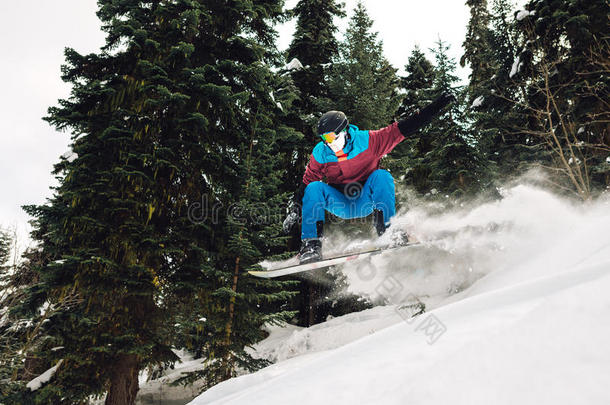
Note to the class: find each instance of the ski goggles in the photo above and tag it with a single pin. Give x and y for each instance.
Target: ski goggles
(329, 137)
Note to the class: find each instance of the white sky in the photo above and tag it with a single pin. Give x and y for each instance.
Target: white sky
(402, 24)
(34, 33)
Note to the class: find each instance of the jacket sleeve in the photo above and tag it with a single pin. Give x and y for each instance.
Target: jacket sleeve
(382, 141)
(411, 124)
(313, 172)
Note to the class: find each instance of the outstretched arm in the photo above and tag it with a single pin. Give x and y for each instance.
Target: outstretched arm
(411, 124)
(386, 139)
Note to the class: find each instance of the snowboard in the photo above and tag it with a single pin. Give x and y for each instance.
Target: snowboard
(328, 262)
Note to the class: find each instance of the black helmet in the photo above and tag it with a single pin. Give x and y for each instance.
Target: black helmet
(332, 121)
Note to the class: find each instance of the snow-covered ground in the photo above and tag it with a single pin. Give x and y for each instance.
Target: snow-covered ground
(518, 302)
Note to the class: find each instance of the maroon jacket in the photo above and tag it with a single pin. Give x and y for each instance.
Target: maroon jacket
(364, 150)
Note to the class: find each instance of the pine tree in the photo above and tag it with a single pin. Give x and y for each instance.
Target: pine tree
(315, 46)
(250, 228)
(5, 246)
(177, 105)
(418, 91)
(490, 51)
(562, 68)
(495, 119)
(480, 53)
(476, 50)
(8, 343)
(362, 81)
(451, 163)
(417, 84)
(25, 318)
(22, 334)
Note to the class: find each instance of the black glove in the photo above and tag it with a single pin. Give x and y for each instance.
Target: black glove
(411, 124)
(291, 220)
(294, 210)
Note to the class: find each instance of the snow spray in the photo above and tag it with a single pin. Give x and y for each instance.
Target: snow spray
(528, 230)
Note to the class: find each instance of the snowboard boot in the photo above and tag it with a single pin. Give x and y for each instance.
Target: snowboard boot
(311, 251)
(378, 222)
(397, 236)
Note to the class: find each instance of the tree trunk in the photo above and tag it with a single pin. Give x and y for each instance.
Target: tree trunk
(311, 307)
(124, 381)
(229, 326)
(33, 366)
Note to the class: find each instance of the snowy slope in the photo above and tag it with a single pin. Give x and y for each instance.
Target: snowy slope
(530, 328)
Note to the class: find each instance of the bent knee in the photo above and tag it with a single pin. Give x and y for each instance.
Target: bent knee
(382, 174)
(314, 187)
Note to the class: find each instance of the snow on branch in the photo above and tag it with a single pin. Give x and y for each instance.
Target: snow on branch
(70, 156)
(515, 68)
(478, 102)
(522, 14)
(43, 378)
(294, 64)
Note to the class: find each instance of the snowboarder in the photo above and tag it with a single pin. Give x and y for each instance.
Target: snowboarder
(348, 158)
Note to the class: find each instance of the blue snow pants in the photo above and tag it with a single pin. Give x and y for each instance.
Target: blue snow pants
(377, 193)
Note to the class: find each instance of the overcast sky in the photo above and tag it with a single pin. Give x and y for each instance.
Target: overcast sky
(34, 33)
